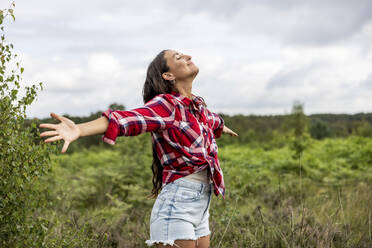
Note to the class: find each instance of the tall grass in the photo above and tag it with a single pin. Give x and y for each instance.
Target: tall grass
(98, 197)
(329, 217)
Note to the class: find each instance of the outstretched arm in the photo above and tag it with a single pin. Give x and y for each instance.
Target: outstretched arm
(69, 131)
(156, 115)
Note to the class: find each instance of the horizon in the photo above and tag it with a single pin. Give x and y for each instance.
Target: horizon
(231, 115)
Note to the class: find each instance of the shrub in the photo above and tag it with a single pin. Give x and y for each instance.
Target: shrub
(23, 159)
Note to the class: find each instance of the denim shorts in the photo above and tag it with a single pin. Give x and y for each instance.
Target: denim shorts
(180, 212)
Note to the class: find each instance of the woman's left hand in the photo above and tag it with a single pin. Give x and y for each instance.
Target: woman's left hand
(227, 130)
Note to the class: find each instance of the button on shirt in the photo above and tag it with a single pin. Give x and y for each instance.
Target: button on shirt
(183, 132)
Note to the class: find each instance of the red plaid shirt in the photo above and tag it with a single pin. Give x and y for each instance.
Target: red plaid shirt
(183, 133)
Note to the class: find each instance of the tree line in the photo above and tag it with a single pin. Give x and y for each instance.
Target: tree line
(256, 129)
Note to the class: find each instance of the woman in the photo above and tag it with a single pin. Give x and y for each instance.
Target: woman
(185, 164)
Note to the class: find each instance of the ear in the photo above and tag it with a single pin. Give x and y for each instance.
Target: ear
(168, 76)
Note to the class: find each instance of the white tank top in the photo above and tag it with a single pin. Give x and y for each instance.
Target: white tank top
(200, 176)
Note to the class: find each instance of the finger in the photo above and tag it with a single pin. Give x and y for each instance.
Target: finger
(52, 139)
(231, 133)
(65, 146)
(48, 133)
(55, 116)
(48, 125)
(234, 134)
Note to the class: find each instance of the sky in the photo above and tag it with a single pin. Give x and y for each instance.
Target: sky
(254, 57)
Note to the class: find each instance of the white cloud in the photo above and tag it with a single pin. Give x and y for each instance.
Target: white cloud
(254, 57)
(84, 87)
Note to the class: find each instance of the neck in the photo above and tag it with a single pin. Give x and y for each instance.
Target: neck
(184, 87)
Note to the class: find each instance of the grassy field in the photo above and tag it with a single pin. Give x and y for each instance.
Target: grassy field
(98, 197)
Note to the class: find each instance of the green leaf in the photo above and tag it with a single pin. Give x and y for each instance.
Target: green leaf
(11, 12)
(14, 94)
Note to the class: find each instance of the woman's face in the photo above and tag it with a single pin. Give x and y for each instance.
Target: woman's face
(180, 65)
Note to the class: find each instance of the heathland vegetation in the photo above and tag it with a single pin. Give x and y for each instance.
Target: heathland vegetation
(290, 190)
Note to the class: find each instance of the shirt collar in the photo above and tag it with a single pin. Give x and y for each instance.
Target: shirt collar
(196, 100)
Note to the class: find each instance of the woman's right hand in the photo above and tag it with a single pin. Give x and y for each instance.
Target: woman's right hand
(228, 131)
(66, 130)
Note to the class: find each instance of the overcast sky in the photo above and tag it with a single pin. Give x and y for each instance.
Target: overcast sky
(255, 57)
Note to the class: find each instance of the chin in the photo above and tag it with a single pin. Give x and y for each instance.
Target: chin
(196, 70)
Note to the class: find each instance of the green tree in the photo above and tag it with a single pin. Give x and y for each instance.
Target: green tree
(363, 128)
(298, 124)
(319, 129)
(117, 106)
(23, 158)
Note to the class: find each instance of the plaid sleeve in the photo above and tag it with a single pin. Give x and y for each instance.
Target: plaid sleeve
(216, 123)
(156, 115)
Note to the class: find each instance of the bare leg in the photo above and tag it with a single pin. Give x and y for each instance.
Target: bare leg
(203, 242)
(180, 244)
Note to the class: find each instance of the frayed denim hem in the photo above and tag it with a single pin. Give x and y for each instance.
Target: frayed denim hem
(165, 242)
(152, 242)
(203, 235)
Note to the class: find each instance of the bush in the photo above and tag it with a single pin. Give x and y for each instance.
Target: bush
(23, 159)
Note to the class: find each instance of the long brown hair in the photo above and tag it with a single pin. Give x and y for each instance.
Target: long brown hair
(154, 85)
